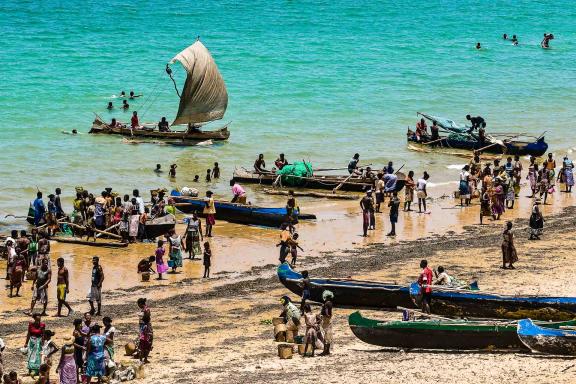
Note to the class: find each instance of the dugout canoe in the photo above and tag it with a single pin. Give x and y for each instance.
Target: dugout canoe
(544, 340)
(237, 213)
(328, 182)
(486, 334)
(159, 226)
(100, 127)
(349, 293)
(463, 302)
(74, 240)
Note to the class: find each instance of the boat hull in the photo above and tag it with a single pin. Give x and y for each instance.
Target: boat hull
(520, 148)
(160, 226)
(316, 182)
(349, 293)
(459, 303)
(99, 127)
(238, 213)
(439, 334)
(544, 340)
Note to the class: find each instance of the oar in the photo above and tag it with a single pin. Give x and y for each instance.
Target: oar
(342, 183)
(494, 144)
(434, 141)
(97, 230)
(340, 169)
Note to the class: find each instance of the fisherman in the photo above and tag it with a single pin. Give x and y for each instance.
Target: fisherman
(442, 278)
(394, 204)
(62, 287)
(390, 180)
(39, 209)
(110, 106)
(353, 164)
(421, 129)
(95, 294)
(421, 192)
(163, 125)
(281, 161)
(238, 193)
(390, 167)
(367, 205)
(425, 283)
(40, 287)
(260, 164)
(291, 314)
(482, 134)
(192, 127)
(476, 122)
(435, 130)
(58, 204)
(125, 104)
(134, 122)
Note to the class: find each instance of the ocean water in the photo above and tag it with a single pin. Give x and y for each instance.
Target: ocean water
(316, 80)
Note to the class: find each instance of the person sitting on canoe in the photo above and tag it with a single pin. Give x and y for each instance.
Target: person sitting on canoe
(476, 121)
(134, 122)
(163, 125)
(421, 129)
(260, 164)
(281, 161)
(239, 194)
(442, 278)
(353, 164)
(435, 130)
(193, 128)
(115, 124)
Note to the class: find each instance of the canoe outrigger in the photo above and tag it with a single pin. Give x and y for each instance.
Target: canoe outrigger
(203, 99)
(459, 138)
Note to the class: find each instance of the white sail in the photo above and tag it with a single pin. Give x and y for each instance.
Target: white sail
(204, 97)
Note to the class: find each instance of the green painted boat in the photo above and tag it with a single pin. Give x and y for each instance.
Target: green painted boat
(443, 334)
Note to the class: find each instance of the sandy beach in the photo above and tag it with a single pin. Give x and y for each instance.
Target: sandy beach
(218, 329)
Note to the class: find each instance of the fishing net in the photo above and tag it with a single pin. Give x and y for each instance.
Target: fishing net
(459, 137)
(294, 174)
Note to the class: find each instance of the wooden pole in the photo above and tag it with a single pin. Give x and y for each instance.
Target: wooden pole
(97, 230)
(311, 194)
(342, 183)
(107, 229)
(434, 141)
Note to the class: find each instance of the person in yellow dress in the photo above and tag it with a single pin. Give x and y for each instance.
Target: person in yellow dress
(209, 212)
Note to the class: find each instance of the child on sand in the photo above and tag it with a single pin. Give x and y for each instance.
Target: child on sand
(161, 267)
(145, 339)
(293, 243)
(207, 259)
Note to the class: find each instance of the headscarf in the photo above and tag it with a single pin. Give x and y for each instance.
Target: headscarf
(327, 295)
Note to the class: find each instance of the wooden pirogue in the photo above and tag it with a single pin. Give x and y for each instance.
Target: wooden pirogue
(443, 333)
(237, 213)
(329, 182)
(445, 301)
(539, 338)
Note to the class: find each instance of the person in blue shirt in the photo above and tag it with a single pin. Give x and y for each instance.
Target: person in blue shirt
(39, 209)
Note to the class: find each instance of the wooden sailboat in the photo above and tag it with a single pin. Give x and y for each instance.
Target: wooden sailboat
(203, 99)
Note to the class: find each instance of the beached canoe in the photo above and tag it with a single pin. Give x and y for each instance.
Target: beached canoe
(442, 334)
(329, 182)
(159, 226)
(237, 213)
(545, 340)
(75, 240)
(349, 293)
(463, 302)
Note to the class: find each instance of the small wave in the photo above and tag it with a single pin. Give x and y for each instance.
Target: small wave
(455, 166)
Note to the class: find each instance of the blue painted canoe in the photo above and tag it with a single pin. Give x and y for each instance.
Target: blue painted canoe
(545, 340)
(349, 293)
(462, 302)
(237, 213)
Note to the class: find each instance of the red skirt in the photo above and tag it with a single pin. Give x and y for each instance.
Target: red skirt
(210, 219)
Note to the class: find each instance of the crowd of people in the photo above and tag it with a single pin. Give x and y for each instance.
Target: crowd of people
(87, 352)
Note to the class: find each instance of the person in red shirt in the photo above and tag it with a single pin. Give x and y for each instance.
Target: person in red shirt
(134, 123)
(425, 283)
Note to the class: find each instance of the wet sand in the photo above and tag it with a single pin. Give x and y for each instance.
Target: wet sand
(219, 322)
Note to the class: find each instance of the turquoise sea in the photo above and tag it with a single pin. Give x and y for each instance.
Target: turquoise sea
(317, 80)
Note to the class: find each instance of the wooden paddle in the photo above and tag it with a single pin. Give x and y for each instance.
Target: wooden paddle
(342, 183)
(97, 230)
